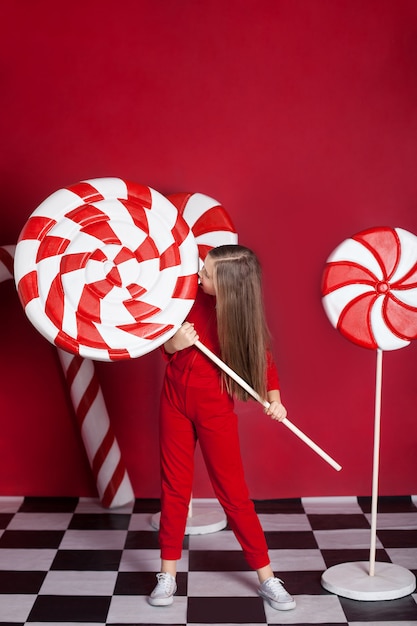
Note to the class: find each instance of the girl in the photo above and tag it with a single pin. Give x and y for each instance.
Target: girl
(197, 404)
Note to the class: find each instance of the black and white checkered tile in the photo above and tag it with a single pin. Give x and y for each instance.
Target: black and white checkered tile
(68, 561)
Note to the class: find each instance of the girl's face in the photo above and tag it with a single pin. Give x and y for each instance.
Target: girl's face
(206, 276)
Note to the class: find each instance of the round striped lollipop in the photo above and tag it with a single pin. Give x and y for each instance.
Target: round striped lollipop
(107, 269)
(208, 220)
(369, 288)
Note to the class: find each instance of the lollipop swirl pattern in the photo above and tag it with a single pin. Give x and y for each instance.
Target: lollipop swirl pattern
(106, 269)
(369, 288)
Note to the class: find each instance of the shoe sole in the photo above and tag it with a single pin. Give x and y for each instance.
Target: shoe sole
(160, 601)
(279, 606)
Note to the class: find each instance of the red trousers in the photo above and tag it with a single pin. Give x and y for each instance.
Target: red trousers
(204, 413)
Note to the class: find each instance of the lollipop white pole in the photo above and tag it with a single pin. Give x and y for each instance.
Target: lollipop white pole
(360, 310)
(371, 580)
(375, 470)
(265, 403)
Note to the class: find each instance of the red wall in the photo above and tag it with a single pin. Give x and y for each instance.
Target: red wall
(300, 117)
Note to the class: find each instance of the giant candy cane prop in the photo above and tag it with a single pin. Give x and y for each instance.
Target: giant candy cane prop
(112, 480)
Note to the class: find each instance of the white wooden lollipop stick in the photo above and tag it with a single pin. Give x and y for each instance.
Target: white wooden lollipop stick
(265, 403)
(375, 465)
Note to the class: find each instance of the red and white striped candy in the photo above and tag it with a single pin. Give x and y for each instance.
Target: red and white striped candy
(106, 269)
(208, 220)
(369, 288)
(112, 481)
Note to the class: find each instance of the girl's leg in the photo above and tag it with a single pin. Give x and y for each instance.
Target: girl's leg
(169, 567)
(217, 429)
(264, 573)
(177, 445)
(219, 440)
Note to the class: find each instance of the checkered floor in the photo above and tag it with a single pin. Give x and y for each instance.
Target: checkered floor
(69, 561)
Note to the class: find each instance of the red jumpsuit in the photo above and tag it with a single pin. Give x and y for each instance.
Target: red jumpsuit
(194, 407)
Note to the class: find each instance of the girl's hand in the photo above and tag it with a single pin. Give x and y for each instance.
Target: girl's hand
(185, 337)
(276, 411)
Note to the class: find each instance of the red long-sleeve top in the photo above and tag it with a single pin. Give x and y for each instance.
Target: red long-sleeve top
(193, 367)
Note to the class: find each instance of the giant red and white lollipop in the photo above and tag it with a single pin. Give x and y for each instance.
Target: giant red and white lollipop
(107, 269)
(369, 290)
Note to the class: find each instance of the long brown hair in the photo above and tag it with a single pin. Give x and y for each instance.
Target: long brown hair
(243, 333)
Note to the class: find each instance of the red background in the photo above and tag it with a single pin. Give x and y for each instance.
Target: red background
(300, 117)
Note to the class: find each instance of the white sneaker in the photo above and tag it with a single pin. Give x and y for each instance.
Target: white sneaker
(273, 591)
(163, 594)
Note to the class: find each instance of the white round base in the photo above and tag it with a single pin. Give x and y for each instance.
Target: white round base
(352, 580)
(202, 521)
